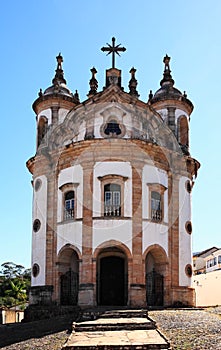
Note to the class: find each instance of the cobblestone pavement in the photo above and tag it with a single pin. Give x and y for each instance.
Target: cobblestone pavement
(190, 329)
(186, 329)
(45, 334)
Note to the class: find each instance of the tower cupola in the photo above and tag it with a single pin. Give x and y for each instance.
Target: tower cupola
(167, 90)
(53, 104)
(173, 106)
(57, 91)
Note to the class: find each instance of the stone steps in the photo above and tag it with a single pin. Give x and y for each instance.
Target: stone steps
(115, 329)
(113, 324)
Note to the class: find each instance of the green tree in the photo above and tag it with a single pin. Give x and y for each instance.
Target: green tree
(15, 281)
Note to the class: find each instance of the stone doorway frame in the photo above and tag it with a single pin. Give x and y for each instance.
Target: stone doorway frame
(157, 262)
(68, 261)
(114, 249)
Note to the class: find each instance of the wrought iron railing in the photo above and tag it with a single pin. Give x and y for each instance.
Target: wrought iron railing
(68, 214)
(112, 210)
(156, 215)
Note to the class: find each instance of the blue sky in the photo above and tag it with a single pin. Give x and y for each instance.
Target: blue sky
(34, 32)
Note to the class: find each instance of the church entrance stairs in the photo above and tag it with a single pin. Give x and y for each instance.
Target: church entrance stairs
(115, 329)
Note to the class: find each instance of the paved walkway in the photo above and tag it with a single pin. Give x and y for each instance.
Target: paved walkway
(136, 339)
(185, 329)
(119, 329)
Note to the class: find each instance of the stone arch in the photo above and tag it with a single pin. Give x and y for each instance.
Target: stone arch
(112, 266)
(71, 247)
(158, 253)
(157, 278)
(68, 274)
(42, 130)
(183, 130)
(112, 244)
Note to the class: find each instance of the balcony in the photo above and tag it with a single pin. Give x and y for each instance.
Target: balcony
(112, 210)
(156, 215)
(68, 214)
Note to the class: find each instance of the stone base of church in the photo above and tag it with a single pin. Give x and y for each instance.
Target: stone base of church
(137, 295)
(41, 312)
(183, 296)
(41, 295)
(86, 295)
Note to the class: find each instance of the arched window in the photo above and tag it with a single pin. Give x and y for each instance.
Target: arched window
(183, 131)
(42, 130)
(112, 128)
(69, 205)
(112, 200)
(156, 206)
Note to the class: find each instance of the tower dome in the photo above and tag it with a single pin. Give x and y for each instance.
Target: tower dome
(53, 104)
(173, 106)
(167, 90)
(59, 83)
(58, 89)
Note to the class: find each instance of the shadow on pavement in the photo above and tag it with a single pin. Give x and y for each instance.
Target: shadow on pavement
(18, 332)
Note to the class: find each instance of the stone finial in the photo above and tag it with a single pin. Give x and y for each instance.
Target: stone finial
(93, 82)
(59, 59)
(76, 96)
(59, 74)
(167, 77)
(150, 95)
(133, 83)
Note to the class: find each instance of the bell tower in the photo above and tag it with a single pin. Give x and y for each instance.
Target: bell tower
(53, 104)
(173, 106)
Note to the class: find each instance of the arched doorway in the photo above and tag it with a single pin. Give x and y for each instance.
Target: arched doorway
(112, 278)
(156, 263)
(69, 277)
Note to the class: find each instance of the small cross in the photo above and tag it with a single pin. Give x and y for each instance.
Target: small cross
(114, 50)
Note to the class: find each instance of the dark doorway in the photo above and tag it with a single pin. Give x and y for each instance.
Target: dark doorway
(69, 288)
(112, 281)
(154, 288)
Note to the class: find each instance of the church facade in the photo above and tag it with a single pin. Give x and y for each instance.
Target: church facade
(112, 183)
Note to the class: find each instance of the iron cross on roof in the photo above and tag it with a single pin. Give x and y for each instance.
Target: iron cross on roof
(114, 50)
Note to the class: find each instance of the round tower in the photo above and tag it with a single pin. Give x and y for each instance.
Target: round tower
(173, 106)
(53, 104)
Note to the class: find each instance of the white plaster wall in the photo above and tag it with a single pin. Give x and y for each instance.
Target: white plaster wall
(98, 121)
(151, 174)
(46, 113)
(207, 288)
(163, 112)
(62, 114)
(118, 230)
(185, 239)
(110, 168)
(128, 124)
(69, 232)
(153, 233)
(180, 112)
(81, 131)
(74, 174)
(39, 238)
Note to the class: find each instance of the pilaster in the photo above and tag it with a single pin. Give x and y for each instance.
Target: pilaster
(137, 287)
(86, 286)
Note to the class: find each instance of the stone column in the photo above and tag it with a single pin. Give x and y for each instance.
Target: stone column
(87, 287)
(171, 118)
(173, 233)
(54, 111)
(137, 287)
(51, 234)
